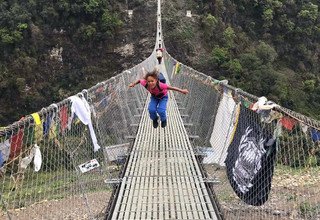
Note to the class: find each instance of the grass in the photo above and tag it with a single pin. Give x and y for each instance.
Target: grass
(46, 186)
(308, 210)
(226, 195)
(281, 169)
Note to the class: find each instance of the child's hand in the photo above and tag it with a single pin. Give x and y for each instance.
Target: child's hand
(185, 91)
(131, 85)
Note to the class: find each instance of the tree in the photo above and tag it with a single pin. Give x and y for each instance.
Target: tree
(266, 53)
(267, 18)
(49, 15)
(219, 55)
(209, 23)
(234, 66)
(92, 7)
(250, 61)
(87, 32)
(309, 85)
(309, 11)
(229, 36)
(110, 22)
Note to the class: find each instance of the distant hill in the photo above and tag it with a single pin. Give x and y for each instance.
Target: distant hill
(50, 51)
(267, 48)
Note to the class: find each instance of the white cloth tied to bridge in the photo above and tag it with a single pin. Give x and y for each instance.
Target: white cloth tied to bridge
(81, 108)
(35, 154)
(263, 104)
(223, 128)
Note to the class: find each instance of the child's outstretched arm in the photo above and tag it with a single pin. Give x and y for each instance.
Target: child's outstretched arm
(131, 85)
(184, 91)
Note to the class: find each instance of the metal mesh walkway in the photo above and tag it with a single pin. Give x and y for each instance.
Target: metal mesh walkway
(163, 179)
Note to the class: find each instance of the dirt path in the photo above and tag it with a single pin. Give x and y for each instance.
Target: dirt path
(69, 208)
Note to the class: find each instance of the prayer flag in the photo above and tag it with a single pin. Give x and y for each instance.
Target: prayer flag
(288, 122)
(315, 135)
(16, 144)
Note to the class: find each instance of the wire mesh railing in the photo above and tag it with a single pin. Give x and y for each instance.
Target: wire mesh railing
(66, 161)
(262, 159)
(56, 163)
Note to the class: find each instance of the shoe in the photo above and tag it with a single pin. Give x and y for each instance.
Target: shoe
(155, 123)
(164, 123)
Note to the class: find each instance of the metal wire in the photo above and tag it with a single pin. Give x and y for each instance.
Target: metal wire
(213, 110)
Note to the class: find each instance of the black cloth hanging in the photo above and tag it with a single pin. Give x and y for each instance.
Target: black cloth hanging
(250, 159)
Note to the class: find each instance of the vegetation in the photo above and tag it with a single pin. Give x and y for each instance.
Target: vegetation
(268, 48)
(50, 50)
(49, 185)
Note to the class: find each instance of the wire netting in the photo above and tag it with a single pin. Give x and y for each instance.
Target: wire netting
(50, 169)
(261, 163)
(50, 166)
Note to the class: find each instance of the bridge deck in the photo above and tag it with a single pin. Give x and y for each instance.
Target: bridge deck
(162, 179)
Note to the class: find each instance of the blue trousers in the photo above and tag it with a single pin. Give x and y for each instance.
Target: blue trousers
(158, 106)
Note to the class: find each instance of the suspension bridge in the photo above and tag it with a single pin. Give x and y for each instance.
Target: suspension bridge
(225, 154)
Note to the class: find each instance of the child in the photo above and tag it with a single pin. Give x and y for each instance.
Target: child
(159, 96)
(159, 54)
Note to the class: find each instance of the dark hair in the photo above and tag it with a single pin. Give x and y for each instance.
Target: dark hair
(153, 74)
